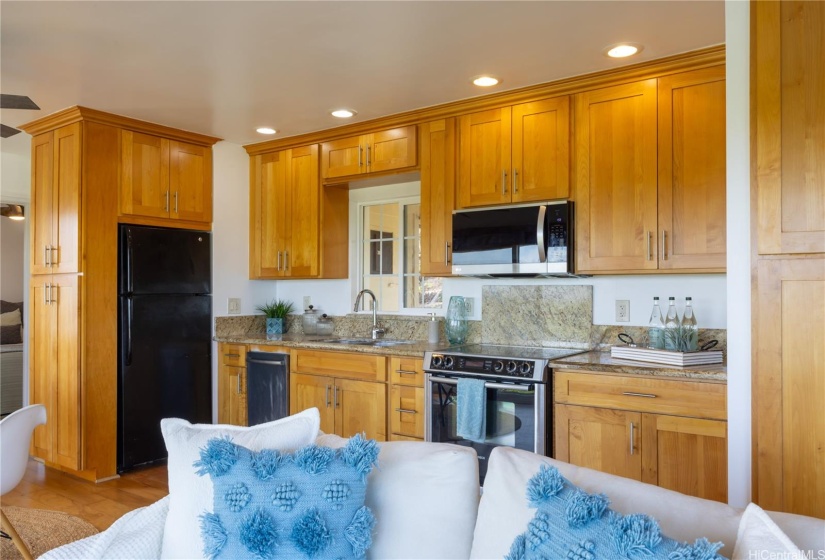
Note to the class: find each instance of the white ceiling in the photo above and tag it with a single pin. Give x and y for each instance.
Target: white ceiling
(224, 68)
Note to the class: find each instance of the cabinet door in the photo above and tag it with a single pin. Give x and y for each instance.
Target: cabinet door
(407, 411)
(360, 406)
(66, 208)
(144, 175)
(689, 455)
(42, 359)
(302, 254)
(267, 223)
(789, 386)
(190, 182)
(541, 150)
(307, 391)
(343, 157)
(484, 158)
(42, 204)
(789, 126)
(692, 176)
(391, 149)
(615, 131)
(599, 438)
(232, 395)
(65, 297)
(437, 196)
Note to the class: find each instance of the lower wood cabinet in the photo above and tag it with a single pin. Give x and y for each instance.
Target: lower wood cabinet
(232, 384)
(406, 406)
(620, 425)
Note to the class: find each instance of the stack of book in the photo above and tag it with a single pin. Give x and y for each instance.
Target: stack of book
(668, 357)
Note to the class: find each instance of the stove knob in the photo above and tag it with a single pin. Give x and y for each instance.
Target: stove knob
(511, 367)
(498, 366)
(436, 361)
(448, 362)
(524, 369)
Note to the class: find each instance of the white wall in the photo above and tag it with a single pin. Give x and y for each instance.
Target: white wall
(737, 38)
(12, 238)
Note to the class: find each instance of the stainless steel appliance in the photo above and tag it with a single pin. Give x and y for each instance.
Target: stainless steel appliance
(524, 240)
(519, 397)
(267, 387)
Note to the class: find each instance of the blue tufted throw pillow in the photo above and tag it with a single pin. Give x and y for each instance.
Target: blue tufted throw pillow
(306, 504)
(571, 524)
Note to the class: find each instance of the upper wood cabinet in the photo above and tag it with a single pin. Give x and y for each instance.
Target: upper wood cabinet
(437, 196)
(163, 178)
(385, 150)
(287, 206)
(515, 154)
(55, 200)
(650, 184)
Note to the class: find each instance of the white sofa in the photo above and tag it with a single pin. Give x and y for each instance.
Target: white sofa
(426, 501)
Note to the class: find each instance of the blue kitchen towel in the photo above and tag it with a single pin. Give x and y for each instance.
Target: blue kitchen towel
(471, 409)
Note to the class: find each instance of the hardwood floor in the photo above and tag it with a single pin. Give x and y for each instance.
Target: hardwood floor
(99, 504)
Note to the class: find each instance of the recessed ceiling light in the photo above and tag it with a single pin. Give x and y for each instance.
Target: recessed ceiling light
(485, 81)
(343, 113)
(621, 50)
(266, 130)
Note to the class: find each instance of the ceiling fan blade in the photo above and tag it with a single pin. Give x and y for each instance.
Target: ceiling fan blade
(6, 131)
(17, 102)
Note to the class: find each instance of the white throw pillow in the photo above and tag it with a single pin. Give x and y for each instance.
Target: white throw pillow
(190, 494)
(760, 537)
(11, 318)
(504, 512)
(424, 497)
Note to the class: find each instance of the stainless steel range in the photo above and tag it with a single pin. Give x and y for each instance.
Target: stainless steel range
(518, 398)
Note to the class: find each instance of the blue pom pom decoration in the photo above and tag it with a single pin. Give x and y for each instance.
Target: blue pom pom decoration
(359, 532)
(585, 550)
(582, 508)
(265, 463)
(217, 457)
(538, 531)
(361, 454)
(285, 496)
(259, 535)
(336, 493)
(213, 533)
(518, 550)
(545, 484)
(702, 549)
(310, 535)
(313, 459)
(237, 497)
(635, 535)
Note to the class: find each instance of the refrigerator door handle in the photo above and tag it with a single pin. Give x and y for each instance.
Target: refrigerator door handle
(129, 267)
(129, 331)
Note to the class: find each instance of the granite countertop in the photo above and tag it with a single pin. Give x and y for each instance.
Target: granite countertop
(602, 362)
(415, 348)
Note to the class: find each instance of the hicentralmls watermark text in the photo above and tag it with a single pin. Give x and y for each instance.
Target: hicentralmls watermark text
(801, 555)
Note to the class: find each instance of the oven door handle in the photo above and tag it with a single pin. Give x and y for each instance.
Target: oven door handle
(450, 381)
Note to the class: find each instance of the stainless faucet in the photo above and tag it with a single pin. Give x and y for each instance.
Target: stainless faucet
(376, 331)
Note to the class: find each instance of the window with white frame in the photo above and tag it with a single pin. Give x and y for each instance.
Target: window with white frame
(390, 256)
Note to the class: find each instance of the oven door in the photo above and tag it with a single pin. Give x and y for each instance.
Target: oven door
(516, 417)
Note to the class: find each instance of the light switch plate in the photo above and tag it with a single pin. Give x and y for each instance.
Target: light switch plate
(469, 306)
(233, 306)
(623, 310)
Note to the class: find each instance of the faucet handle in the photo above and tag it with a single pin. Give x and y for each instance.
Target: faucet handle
(377, 332)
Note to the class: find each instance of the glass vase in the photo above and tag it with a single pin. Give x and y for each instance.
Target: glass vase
(455, 323)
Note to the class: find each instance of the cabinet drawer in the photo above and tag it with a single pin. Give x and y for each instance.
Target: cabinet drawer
(340, 364)
(233, 354)
(407, 411)
(680, 398)
(407, 371)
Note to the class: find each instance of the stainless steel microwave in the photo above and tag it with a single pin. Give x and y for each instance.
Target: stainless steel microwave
(523, 240)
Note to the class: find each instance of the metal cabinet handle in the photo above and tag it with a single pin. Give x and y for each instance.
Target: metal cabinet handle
(166, 204)
(286, 260)
(55, 294)
(46, 295)
(47, 255)
(406, 411)
(238, 388)
(54, 258)
(326, 396)
(503, 181)
(335, 396)
(515, 181)
(232, 355)
(632, 427)
(279, 260)
(446, 253)
(649, 254)
(369, 156)
(645, 395)
(176, 202)
(359, 156)
(664, 245)
(405, 372)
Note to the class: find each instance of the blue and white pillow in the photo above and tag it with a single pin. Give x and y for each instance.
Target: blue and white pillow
(306, 504)
(572, 524)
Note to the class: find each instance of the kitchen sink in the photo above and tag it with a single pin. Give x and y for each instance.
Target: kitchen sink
(380, 342)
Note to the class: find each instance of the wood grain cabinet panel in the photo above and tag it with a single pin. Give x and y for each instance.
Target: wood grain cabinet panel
(307, 391)
(190, 181)
(437, 195)
(232, 397)
(376, 152)
(406, 403)
(360, 407)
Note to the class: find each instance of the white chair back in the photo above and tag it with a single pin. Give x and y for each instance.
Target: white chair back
(15, 436)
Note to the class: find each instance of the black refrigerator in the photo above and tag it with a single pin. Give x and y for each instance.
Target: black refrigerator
(164, 336)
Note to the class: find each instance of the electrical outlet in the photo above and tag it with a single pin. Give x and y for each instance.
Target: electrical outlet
(233, 307)
(469, 306)
(623, 310)
(307, 302)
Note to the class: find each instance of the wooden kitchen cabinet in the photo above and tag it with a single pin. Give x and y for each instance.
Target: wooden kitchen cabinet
(406, 404)
(55, 200)
(437, 195)
(165, 179)
(232, 407)
(515, 154)
(348, 389)
(380, 151)
(287, 207)
(664, 432)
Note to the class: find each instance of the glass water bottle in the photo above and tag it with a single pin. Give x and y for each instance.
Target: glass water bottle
(690, 330)
(656, 327)
(672, 326)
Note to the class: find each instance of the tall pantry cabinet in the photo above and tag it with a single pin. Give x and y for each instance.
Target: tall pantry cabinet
(788, 184)
(76, 183)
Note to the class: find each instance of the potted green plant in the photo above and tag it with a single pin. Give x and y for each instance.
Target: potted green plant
(276, 312)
